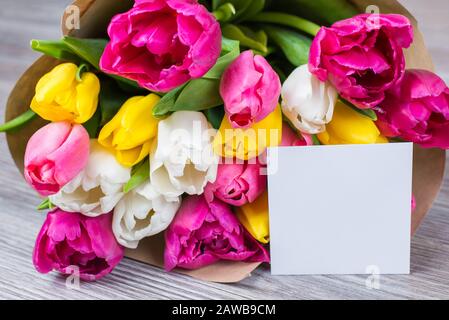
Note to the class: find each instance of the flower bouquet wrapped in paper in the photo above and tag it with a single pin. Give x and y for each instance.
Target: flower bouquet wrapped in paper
(145, 130)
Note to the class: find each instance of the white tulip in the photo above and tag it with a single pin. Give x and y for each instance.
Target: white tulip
(183, 160)
(307, 102)
(142, 213)
(98, 188)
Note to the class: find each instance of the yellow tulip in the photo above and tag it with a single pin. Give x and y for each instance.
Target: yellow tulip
(254, 217)
(61, 97)
(249, 143)
(350, 127)
(132, 130)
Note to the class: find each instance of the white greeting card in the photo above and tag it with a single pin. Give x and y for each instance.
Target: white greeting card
(340, 209)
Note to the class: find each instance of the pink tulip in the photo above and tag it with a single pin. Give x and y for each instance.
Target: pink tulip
(237, 184)
(290, 138)
(250, 89)
(362, 56)
(162, 44)
(55, 155)
(69, 240)
(417, 110)
(203, 233)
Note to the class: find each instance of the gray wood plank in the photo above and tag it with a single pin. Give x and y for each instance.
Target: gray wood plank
(22, 20)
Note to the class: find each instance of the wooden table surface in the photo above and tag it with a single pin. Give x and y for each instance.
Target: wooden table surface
(22, 20)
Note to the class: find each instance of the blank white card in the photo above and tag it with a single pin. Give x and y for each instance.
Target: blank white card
(340, 209)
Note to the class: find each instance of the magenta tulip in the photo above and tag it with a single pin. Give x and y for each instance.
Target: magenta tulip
(71, 242)
(203, 233)
(237, 184)
(250, 89)
(417, 110)
(55, 155)
(362, 56)
(292, 139)
(162, 44)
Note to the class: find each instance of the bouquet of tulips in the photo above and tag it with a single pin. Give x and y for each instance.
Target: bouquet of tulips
(163, 127)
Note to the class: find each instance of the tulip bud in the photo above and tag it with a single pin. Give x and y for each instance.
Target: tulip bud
(361, 56)
(162, 44)
(142, 213)
(237, 184)
(68, 240)
(350, 127)
(54, 155)
(254, 217)
(61, 97)
(203, 233)
(250, 89)
(249, 143)
(183, 160)
(307, 102)
(98, 188)
(417, 110)
(132, 130)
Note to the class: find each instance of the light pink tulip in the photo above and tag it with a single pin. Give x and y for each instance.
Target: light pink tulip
(55, 155)
(290, 138)
(203, 233)
(237, 184)
(250, 89)
(162, 44)
(69, 240)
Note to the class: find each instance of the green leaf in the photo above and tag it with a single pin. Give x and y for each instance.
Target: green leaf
(196, 95)
(259, 36)
(228, 45)
(18, 122)
(199, 94)
(90, 50)
(215, 4)
(295, 46)
(93, 124)
(167, 103)
(253, 9)
(139, 174)
(246, 37)
(288, 20)
(215, 116)
(45, 205)
(230, 51)
(112, 97)
(365, 112)
(323, 12)
(56, 49)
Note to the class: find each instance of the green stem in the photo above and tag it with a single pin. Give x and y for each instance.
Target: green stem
(82, 68)
(287, 20)
(18, 122)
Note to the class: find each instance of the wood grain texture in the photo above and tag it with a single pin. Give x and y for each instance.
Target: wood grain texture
(22, 20)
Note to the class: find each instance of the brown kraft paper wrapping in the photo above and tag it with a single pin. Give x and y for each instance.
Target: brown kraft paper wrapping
(95, 15)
